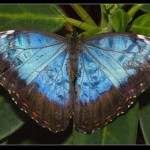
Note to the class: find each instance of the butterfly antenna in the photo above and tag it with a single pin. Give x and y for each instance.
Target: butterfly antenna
(83, 21)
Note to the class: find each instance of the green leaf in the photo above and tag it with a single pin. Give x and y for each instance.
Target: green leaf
(145, 123)
(145, 117)
(119, 20)
(69, 140)
(123, 130)
(111, 8)
(106, 10)
(145, 8)
(142, 25)
(104, 17)
(82, 138)
(4, 143)
(93, 32)
(11, 118)
(31, 17)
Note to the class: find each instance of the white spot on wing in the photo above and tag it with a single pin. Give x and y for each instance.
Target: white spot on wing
(4, 36)
(141, 84)
(142, 90)
(6, 33)
(131, 103)
(1, 84)
(9, 91)
(144, 39)
(106, 123)
(36, 121)
(10, 31)
(92, 131)
(118, 114)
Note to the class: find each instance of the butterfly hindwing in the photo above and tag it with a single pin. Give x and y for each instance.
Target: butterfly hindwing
(112, 70)
(34, 71)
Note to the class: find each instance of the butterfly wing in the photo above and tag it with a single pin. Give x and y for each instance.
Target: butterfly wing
(34, 71)
(112, 70)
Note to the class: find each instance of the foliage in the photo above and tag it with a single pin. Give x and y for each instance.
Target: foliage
(113, 18)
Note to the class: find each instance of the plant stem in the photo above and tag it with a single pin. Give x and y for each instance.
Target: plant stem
(134, 9)
(83, 14)
(79, 24)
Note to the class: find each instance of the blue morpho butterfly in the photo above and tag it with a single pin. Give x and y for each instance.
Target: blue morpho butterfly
(93, 80)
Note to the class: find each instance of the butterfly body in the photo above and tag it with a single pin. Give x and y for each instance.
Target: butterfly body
(91, 80)
(73, 54)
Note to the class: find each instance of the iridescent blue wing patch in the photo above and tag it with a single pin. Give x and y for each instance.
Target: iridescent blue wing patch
(34, 71)
(113, 69)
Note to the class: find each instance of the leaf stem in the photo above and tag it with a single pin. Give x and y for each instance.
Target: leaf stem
(83, 14)
(134, 9)
(82, 25)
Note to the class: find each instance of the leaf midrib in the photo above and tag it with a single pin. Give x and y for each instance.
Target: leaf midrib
(29, 16)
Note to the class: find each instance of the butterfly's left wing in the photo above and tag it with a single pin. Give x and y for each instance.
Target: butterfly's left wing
(113, 69)
(34, 69)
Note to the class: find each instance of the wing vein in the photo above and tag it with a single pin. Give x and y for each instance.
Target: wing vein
(54, 56)
(93, 58)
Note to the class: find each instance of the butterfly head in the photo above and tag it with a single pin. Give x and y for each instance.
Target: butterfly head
(74, 34)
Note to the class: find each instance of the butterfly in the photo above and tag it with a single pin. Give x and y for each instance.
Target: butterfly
(92, 80)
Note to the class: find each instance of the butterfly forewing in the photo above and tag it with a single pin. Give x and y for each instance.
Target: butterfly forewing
(34, 71)
(113, 70)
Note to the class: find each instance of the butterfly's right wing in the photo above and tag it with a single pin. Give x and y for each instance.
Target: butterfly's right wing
(113, 69)
(34, 69)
